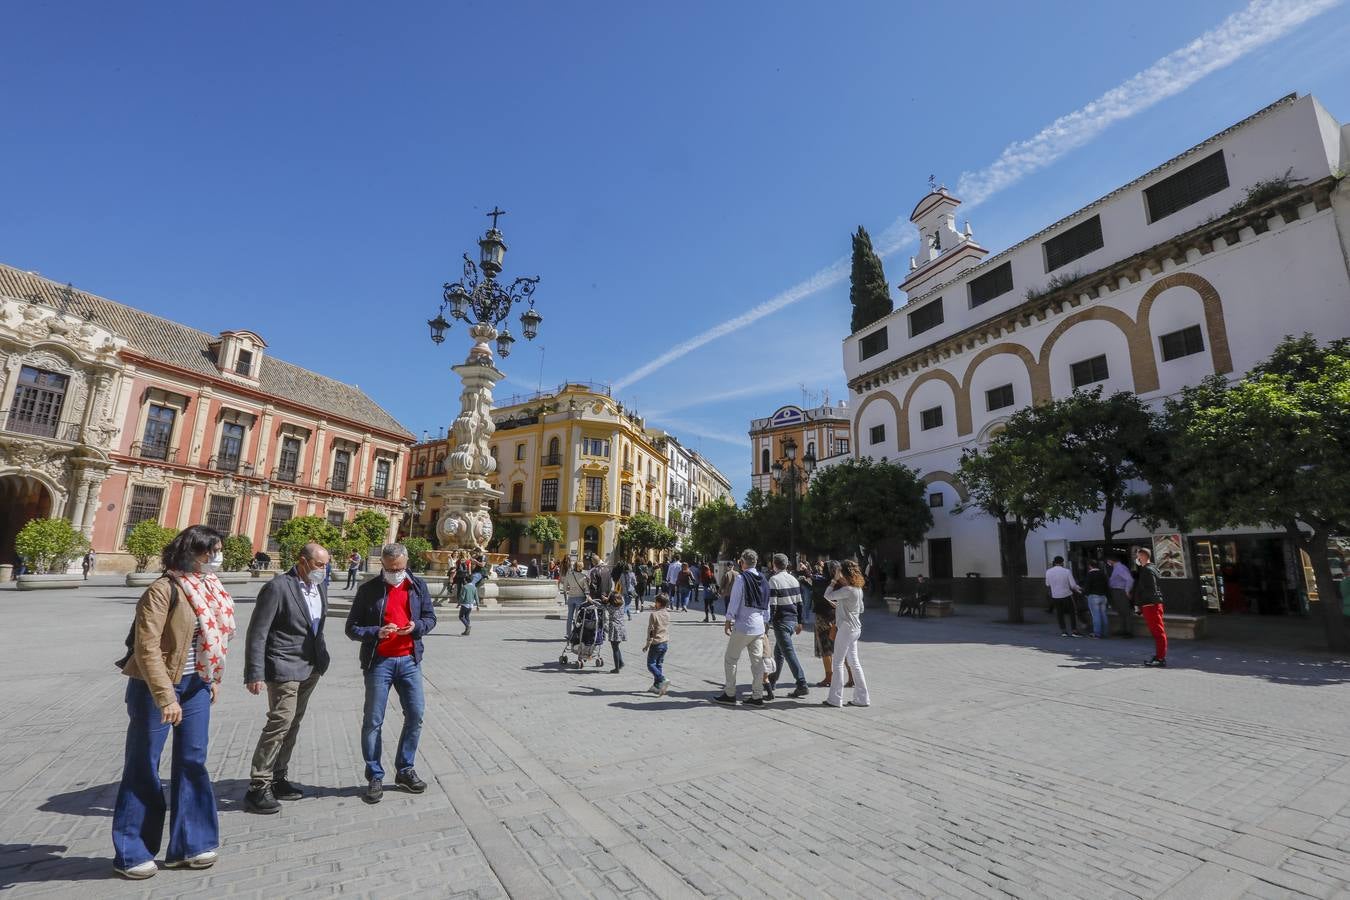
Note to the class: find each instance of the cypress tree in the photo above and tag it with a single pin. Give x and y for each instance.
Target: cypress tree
(868, 291)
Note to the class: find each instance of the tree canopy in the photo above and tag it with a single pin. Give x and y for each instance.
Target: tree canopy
(146, 541)
(545, 530)
(1272, 448)
(292, 536)
(868, 291)
(863, 503)
(643, 532)
(49, 545)
(714, 529)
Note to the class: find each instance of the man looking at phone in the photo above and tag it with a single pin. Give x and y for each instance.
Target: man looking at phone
(389, 616)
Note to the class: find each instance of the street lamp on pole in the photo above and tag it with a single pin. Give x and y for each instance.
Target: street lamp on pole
(483, 304)
(791, 477)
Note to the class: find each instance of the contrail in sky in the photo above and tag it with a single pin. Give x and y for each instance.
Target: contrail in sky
(1257, 24)
(752, 390)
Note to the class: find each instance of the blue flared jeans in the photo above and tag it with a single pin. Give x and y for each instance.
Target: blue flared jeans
(138, 818)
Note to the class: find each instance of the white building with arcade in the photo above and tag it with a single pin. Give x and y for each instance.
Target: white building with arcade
(1199, 266)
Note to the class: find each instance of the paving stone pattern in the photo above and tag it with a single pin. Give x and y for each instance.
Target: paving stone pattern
(995, 761)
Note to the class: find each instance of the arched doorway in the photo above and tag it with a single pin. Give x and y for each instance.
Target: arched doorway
(590, 540)
(22, 499)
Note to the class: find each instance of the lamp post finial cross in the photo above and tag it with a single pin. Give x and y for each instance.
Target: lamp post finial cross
(496, 211)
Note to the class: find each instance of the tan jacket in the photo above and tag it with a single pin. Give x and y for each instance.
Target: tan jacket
(162, 643)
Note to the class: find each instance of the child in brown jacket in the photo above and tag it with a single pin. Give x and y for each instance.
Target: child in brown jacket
(658, 637)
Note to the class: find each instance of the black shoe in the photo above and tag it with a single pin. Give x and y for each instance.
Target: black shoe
(754, 701)
(374, 791)
(723, 698)
(799, 692)
(261, 801)
(284, 790)
(1156, 663)
(768, 695)
(408, 780)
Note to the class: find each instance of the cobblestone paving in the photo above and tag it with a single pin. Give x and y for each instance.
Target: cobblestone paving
(995, 761)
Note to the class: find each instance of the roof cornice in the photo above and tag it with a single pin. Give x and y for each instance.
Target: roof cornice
(1107, 280)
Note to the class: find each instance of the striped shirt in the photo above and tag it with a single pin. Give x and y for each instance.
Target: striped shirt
(785, 597)
(191, 665)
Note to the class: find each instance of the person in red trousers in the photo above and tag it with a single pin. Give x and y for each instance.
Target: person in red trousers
(1148, 597)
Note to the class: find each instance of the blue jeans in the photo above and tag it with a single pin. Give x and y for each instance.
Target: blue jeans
(684, 597)
(783, 650)
(656, 658)
(138, 819)
(464, 613)
(573, 604)
(628, 603)
(1097, 606)
(404, 675)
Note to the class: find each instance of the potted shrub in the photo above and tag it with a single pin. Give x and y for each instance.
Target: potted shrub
(238, 552)
(147, 541)
(49, 545)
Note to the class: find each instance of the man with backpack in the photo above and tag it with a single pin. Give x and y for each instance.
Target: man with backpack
(747, 611)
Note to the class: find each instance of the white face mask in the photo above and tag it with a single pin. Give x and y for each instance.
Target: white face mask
(214, 563)
(315, 576)
(394, 579)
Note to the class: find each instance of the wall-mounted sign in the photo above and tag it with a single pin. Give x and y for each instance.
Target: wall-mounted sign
(1169, 555)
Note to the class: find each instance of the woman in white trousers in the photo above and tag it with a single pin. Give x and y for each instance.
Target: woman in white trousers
(846, 596)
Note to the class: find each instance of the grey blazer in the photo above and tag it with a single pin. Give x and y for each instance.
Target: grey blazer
(282, 645)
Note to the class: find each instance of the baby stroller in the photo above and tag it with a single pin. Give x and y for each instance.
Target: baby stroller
(587, 637)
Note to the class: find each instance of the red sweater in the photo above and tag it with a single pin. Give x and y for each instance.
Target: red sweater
(397, 611)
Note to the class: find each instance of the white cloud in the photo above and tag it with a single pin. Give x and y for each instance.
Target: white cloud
(752, 390)
(682, 428)
(1259, 23)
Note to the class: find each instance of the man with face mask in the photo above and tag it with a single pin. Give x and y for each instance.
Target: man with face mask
(286, 655)
(389, 615)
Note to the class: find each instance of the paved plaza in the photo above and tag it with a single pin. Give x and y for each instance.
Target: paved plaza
(995, 761)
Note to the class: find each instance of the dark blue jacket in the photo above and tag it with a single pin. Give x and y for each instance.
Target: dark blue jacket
(367, 615)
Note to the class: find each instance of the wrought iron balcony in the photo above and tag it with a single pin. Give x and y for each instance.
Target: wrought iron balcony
(652, 481)
(628, 467)
(517, 506)
(287, 474)
(39, 426)
(339, 483)
(156, 450)
(553, 459)
(380, 493)
(226, 464)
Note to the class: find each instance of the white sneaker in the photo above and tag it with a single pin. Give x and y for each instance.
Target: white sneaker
(140, 871)
(662, 688)
(204, 860)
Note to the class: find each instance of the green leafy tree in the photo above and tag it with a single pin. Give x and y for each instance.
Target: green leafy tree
(48, 545)
(643, 532)
(1272, 448)
(868, 290)
(417, 547)
(147, 541)
(764, 523)
(861, 503)
(1016, 479)
(366, 530)
(715, 529)
(292, 536)
(506, 531)
(545, 530)
(238, 552)
(1109, 446)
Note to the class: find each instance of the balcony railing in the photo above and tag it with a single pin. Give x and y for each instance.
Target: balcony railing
(227, 464)
(549, 507)
(339, 483)
(594, 506)
(628, 467)
(517, 506)
(553, 459)
(157, 450)
(283, 473)
(380, 493)
(39, 426)
(651, 481)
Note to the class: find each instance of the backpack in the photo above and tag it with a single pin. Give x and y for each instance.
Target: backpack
(131, 630)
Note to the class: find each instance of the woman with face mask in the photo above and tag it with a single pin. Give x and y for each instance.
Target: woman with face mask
(180, 638)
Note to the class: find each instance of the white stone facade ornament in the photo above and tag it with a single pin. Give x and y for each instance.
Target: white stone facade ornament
(465, 523)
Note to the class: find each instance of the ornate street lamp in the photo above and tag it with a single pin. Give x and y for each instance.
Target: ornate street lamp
(790, 478)
(478, 300)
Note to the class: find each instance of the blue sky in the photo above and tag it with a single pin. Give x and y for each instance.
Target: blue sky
(313, 171)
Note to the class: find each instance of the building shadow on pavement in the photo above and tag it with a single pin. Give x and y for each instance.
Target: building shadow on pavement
(983, 625)
(37, 863)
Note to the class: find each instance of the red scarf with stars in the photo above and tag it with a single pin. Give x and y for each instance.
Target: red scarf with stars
(214, 609)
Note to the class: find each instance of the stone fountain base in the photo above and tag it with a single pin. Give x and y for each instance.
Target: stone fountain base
(520, 593)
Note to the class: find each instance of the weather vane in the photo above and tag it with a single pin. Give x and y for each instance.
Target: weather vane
(932, 182)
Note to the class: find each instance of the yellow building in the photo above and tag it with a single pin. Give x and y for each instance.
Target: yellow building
(574, 453)
(823, 431)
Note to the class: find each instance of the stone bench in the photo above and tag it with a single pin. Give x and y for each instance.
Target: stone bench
(1179, 627)
(934, 607)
